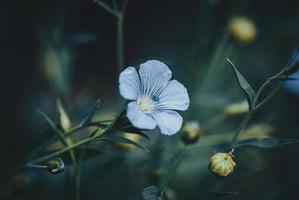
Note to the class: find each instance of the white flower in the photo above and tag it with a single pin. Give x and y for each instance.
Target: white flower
(154, 97)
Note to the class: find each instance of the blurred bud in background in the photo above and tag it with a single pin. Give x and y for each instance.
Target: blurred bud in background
(222, 164)
(236, 109)
(56, 166)
(65, 121)
(242, 29)
(191, 132)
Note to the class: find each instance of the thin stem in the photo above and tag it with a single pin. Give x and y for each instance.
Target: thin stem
(119, 43)
(55, 154)
(241, 127)
(37, 166)
(173, 169)
(78, 174)
(272, 93)
(120, 37)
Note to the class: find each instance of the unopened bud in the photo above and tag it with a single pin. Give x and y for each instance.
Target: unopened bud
(222, 164)
(191, 132)
(56, 166)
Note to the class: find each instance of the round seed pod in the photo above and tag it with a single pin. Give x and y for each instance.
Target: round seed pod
(222, 164)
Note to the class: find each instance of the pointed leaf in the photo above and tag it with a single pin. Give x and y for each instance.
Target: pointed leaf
(89, 117)
(283, 78)
(133, 130)
(151, 193)
(120, 139)
(266, 142)
(58, 133)
(250, 94)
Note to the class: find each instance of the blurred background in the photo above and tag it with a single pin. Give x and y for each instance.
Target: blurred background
(66, 49)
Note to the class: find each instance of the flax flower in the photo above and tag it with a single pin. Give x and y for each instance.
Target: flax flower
(154, 97)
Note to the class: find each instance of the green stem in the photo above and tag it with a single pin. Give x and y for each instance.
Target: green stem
(120, 37)
(55, 154)
(172, 170)
(77, 172)
(77, 180)
(272, 93)
(119, 44)
(241, 127)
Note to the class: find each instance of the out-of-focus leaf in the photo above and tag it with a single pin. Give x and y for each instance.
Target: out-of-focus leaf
(59, 134)
(89, 117)
(293, 64)
(120, 139)
(65, 121)
(133, 130)
(250, 94)
(151, 193)
(221, 195)
(283, 78)
(266, 142)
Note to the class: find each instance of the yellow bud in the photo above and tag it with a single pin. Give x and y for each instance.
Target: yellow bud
(55, 166)
(133, 137)
(242, 29)
(222, 164)
(236, 108)
(191, 132)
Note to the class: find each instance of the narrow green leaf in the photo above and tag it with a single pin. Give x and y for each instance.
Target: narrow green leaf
(133, 130)
(99, 124)
(89, 153)
(151, 193)
(266, 142)
(91, 114)
(58, 133)
(120, 139)
(283, 78)
(250, 94)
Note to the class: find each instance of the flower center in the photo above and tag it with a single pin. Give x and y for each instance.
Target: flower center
(146, 103)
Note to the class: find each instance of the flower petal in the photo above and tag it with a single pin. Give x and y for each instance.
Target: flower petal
(169, 121)
(174, 97)
(129, 84)
(154, 76)
(138, 118)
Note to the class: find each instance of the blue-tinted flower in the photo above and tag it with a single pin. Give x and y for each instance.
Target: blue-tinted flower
(154, 97)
